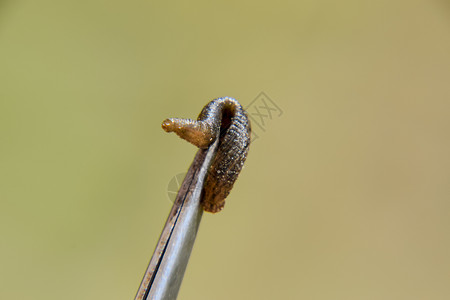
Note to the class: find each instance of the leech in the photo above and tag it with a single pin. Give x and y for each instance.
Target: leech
(225, 119)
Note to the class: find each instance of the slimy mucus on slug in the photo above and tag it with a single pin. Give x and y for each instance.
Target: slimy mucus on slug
(222, 118)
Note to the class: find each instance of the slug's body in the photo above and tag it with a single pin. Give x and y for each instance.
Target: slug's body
(225, 119)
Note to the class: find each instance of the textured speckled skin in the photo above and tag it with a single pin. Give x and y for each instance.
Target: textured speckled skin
(226, 119)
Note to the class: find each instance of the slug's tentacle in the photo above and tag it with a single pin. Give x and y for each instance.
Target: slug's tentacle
(222, 118)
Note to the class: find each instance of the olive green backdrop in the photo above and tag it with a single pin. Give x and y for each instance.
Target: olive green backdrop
(345, 195)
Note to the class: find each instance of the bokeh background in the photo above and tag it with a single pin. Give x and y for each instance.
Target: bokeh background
(345, 195)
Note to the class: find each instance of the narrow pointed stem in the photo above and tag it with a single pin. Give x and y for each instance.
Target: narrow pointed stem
(162, 279)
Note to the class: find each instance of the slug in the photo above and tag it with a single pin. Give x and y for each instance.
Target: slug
(225, 119)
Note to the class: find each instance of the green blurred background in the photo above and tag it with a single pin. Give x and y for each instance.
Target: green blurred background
(344, 196)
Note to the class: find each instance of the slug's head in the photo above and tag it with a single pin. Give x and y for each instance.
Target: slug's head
(197, 133)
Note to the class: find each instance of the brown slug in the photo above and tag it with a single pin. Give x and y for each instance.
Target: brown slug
(222, 118)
